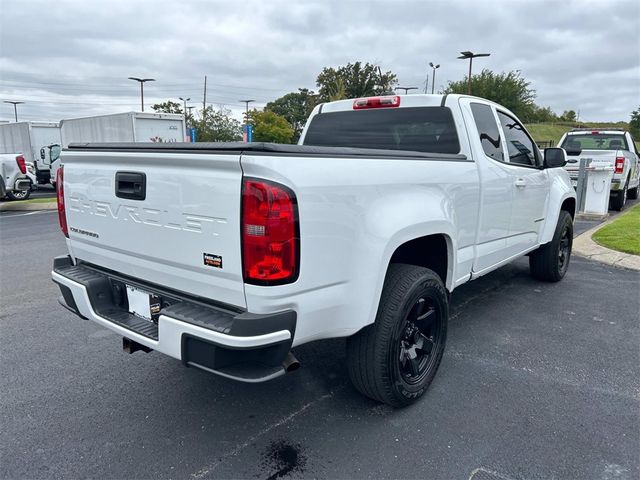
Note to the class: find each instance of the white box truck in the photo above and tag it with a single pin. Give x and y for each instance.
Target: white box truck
(30, 139)
(124, 127)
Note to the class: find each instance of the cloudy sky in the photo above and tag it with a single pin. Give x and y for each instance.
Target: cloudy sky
(69, 58)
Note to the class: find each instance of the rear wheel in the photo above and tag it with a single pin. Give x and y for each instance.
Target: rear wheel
(551, 261)
(618, 200)
(395, 359)
(632, 193)
(19, 194)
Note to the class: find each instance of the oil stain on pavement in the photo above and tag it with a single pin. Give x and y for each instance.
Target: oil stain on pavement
(283, 458)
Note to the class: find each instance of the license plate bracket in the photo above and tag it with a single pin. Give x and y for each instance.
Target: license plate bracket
(143, 304)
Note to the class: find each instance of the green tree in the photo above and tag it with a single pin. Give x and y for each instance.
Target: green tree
(270, 127)
(634, 124)
(508, 89)
(353, 80)
(295, 108)
(542, 115)
(568, 116)
(167, 107)
(217, 126)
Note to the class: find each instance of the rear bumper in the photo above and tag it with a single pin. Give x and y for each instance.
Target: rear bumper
(235, 344)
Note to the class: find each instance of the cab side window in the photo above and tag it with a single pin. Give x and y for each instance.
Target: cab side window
(522, 150)
(488, 130)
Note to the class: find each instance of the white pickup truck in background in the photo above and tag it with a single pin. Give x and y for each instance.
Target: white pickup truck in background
(14, 181)
(225, 256)
(615, 147)
(29, 139)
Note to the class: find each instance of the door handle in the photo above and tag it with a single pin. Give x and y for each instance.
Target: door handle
(521, 183)
(131, 185)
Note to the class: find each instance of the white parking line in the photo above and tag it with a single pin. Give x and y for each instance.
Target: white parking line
(28, 213)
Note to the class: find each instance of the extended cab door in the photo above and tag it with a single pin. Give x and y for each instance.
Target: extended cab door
(496, 185)
(530, 185)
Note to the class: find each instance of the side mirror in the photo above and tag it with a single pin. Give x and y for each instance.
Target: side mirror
(554, 157)
(54, 152)
(42, 154)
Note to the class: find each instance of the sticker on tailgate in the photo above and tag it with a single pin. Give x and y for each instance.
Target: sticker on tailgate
(211, 260)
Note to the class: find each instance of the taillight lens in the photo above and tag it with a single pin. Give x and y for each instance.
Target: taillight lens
(21, 164)
(270, 233)
(62, 214)
(619, 164)
(376, 102)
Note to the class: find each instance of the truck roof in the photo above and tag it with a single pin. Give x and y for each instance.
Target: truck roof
(173, 116)
(589, 131)
(415, 100)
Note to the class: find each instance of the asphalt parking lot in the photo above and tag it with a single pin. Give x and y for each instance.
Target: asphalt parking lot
(538, 381)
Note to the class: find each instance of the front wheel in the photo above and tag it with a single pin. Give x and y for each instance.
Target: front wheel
(551, 261)
(395, 359)
(19, 194)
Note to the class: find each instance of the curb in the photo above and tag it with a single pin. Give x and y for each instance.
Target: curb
(25, 206)
(584, 246)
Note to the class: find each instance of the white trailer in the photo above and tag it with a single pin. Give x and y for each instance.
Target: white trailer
(29, 139)
(124, 127)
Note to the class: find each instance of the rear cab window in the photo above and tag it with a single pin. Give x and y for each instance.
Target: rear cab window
(418, 129)
(595, 141)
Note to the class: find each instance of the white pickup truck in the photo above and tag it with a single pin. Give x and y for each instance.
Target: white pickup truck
(14, 177)
(615, 147)
(225, 256)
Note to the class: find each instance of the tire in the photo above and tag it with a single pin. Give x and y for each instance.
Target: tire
(19, 194)
(632, 193)
(618, 200)
(395, 359)
(550, 262)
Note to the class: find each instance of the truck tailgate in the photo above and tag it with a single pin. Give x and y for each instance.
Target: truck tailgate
(182, 234)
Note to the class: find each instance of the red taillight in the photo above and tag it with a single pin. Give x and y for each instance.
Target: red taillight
(21, 164)
(595, 132)
(62, 214)
(270, 238)
(619, 164)
(376, 102)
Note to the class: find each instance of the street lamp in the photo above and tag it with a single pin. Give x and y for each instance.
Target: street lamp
(471, 56)
(142, 81)
(15, 107)
(406, 89)
(246, 102)
(433, 82)
(184, 101)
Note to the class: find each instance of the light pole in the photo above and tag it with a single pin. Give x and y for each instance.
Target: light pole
(406, 89)
(142, 81)
(15, 107)
(246, 117)
(433, 82)
(184, 101)
(471, 56)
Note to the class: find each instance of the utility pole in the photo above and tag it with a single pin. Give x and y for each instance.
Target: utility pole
(406, 89)
(246, 116)
(471, 56)
(142, 81)
(204, 97)
(433, 82)
(15, 107)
